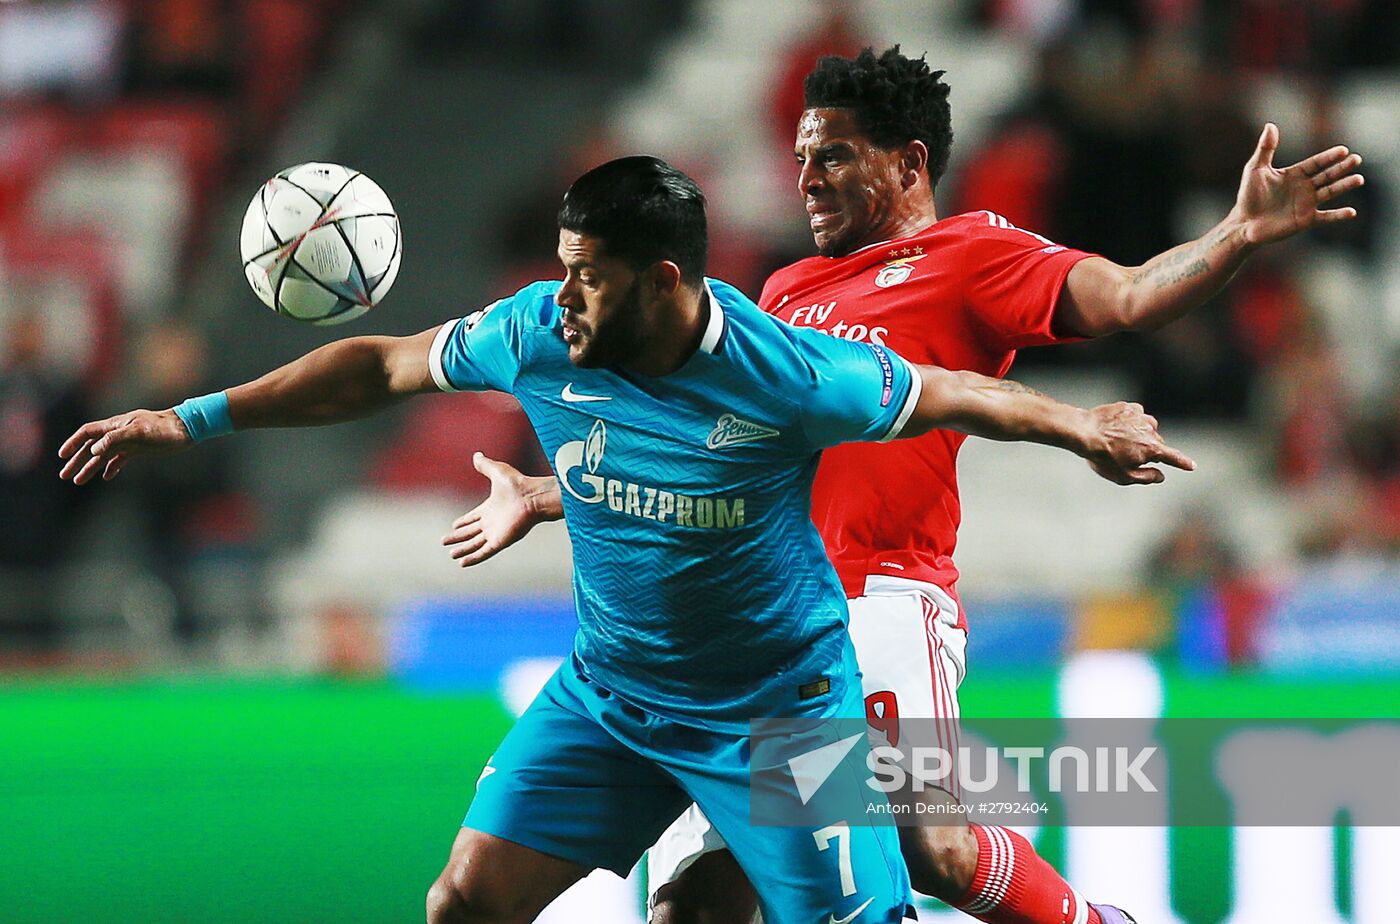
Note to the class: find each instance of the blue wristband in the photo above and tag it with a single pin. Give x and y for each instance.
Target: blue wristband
(206, 416)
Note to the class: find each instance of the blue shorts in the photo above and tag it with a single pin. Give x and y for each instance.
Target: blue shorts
(588, 777)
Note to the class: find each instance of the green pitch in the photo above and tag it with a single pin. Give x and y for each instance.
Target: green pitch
(317, 800)
(237, 802)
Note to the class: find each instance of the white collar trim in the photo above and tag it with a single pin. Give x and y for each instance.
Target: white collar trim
(714, 327)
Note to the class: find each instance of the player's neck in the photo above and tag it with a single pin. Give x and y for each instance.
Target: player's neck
(674, 333)
(910, 215)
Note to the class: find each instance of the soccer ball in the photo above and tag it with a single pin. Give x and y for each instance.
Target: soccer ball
(321, 243)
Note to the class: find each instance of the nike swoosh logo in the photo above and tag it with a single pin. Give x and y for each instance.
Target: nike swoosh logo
(568, 394)
(852, 916)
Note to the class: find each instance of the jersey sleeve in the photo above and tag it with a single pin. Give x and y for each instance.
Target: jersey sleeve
(856, 392)
(481, 351)
(1013, 281)
(769, 295)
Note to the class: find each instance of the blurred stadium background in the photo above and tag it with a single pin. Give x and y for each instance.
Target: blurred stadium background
(246, 683)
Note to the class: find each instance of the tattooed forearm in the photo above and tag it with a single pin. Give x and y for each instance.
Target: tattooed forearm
(1182, 263)
(1171, 271)
(1009, 385)
(1195, 269)
(1165, 288)
(1166, 262)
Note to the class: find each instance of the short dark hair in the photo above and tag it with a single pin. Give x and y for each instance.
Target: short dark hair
(896, 100)
(644, 211)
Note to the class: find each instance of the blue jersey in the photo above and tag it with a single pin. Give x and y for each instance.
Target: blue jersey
(702, 587)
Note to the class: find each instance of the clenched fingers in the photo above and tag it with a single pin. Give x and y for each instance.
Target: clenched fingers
(1145, 475)
(114, 466)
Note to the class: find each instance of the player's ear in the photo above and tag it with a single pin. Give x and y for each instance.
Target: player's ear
(913, 160)
(665, 278)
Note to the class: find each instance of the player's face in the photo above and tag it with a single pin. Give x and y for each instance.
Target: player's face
(601, 298)
(851, 186)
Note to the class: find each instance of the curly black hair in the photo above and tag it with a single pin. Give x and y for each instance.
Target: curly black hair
(896, 100)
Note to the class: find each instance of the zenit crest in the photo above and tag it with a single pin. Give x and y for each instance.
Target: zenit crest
(730, 430)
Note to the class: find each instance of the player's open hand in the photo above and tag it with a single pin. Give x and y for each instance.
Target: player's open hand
(104, 446)
(502, 519)
(1126, 445)
(1276, 202)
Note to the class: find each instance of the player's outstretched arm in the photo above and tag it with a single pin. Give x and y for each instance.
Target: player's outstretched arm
(1120, 441)
(1100, 297)
(516, 504)
(340, 381)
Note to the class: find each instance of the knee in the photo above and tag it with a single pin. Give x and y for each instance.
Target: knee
(665, 909)
(682, 907)
(443, 902)
(456, 898)
(942, 861)
(714, 890)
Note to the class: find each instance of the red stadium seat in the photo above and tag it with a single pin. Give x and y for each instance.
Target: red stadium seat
(281, 40)
(30, 141)
(73, 276)
(196, 131)
(434, 451)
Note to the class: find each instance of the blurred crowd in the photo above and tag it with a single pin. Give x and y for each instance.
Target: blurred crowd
(1127, 138)
(121, 122)
(1130, 138)
(1133, 140)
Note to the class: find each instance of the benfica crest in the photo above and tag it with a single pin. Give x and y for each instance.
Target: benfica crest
(896, 271)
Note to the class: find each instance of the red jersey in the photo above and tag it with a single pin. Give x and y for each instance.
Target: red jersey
(964, 293)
